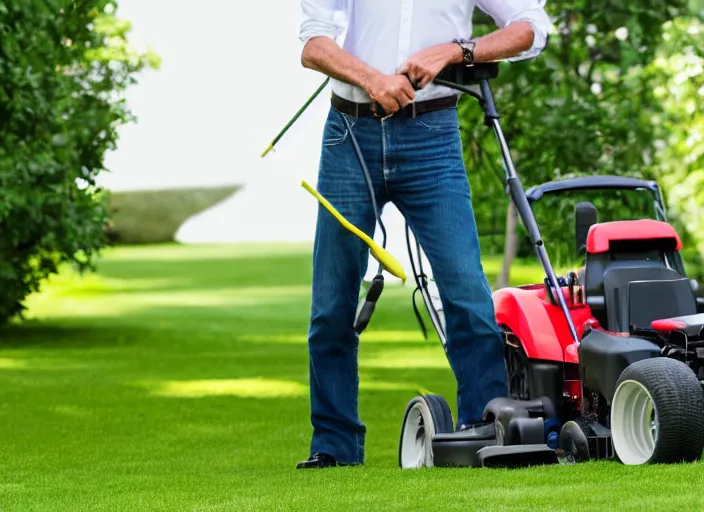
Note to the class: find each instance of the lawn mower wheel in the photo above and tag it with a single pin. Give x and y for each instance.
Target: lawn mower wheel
(657, 413)
(426, 416)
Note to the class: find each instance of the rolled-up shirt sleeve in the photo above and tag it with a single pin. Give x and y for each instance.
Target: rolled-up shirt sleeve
(322, 18)
(506, 12)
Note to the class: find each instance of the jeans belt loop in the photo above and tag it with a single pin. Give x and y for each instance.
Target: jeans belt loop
(413, 106)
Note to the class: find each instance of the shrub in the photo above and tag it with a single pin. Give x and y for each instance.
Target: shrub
(63, 65)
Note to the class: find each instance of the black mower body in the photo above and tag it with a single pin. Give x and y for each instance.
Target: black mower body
(603, 357)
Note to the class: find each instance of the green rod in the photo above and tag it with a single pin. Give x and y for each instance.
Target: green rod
(295, 118)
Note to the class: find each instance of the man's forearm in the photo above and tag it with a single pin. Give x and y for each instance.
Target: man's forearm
(500, 44)
(504, 43)
(325, 55)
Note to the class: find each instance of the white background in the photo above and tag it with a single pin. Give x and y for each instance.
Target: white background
(230, 79)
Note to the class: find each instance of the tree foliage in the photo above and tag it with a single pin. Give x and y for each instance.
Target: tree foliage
(590, 104)
(63, 66)
(679, 73)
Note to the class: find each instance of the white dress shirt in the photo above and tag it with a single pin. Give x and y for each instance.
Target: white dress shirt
(384, 33)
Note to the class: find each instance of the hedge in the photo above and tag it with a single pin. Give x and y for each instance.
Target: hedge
(154, 216)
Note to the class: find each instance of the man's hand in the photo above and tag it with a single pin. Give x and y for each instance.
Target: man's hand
(422, 67)
(392, 92)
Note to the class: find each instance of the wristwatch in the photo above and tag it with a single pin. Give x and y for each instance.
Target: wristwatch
(467, 50)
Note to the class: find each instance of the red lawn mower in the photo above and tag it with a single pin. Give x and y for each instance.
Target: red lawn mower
(603, 363)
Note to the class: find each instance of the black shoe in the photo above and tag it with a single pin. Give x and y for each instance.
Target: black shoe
(319, 460)
(481, 430)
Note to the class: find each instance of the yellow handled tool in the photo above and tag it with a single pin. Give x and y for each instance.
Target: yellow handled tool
(383, 256)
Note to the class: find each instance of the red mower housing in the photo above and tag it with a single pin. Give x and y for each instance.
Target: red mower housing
(531, 313)
(532, 316)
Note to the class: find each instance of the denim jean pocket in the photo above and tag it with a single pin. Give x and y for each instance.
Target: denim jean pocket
(445, 119)
(336, 130)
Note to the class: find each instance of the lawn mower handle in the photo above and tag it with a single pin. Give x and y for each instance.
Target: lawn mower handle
(481, 74)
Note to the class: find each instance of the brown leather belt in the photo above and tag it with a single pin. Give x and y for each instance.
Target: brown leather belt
(412, 110)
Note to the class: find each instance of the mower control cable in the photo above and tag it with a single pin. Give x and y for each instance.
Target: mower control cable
(366, 308)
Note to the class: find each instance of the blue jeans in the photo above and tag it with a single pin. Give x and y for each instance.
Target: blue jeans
(416, 164)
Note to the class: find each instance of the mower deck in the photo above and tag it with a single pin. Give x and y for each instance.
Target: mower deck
(460, 450)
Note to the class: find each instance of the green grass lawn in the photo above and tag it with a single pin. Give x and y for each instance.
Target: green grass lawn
(176, 379)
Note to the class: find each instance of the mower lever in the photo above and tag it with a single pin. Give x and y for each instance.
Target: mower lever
(573, 283)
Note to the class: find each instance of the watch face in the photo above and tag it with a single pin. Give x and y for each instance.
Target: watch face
(468, 50)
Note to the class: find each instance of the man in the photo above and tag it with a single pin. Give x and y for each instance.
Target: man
(411, 143)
